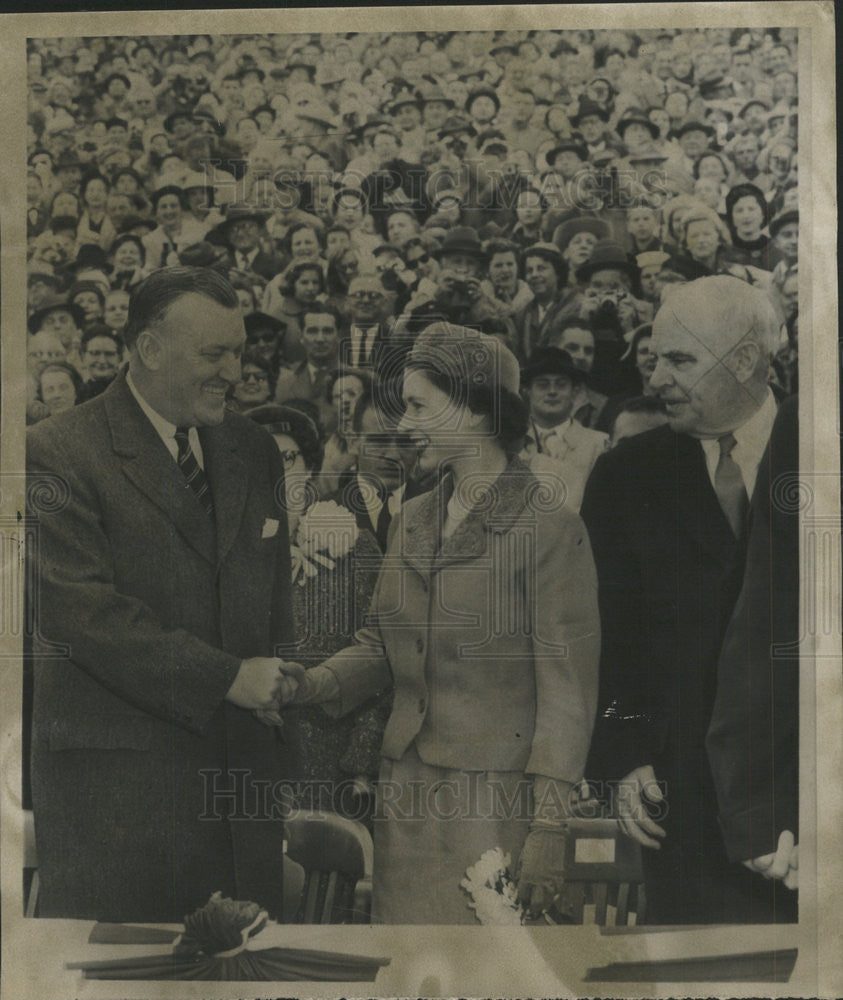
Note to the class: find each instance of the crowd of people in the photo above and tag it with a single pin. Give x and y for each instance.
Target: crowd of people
(382, 206)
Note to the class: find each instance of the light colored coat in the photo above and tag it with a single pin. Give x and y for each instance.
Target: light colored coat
(492, 641)
(570, 454)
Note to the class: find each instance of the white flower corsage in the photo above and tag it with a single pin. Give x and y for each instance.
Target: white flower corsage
(327, 532)
(492, 890)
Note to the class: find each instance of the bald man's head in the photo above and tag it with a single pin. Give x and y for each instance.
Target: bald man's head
(713, 340)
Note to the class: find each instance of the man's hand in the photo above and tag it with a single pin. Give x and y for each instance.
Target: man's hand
(782, 865)
(264, 682)
(637, 787)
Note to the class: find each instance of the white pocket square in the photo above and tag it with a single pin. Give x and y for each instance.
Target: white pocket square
(270, 528)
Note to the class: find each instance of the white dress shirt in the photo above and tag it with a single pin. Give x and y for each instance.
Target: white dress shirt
(165, 430)
(751, 439)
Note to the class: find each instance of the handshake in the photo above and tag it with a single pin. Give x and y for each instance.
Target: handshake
(267, 684)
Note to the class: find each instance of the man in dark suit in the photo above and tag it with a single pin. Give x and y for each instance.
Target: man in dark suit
(162, 591)
(377, 486)
(666, 512)
(309, 379)
(368, 333)
(241, 233)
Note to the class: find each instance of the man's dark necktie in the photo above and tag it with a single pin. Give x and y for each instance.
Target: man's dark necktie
(729, 485)
(362, 350)
(384, 519)
(193, 471)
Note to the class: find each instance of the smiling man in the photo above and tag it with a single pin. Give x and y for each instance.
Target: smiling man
(162, 591)
(666, 512)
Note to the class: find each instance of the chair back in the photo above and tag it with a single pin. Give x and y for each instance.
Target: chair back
(337, 855)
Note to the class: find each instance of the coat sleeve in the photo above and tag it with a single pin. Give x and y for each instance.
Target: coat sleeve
(566, 646)
(114, 637)
(623, 735)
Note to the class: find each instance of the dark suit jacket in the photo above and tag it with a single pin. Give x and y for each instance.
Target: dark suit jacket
(155, 608)
(753, 739)
(669, 569)
(296, 383)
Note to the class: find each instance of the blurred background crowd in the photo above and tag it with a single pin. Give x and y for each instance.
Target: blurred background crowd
(547, 187)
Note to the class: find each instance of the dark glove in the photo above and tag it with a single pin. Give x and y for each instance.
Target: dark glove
(541, 866)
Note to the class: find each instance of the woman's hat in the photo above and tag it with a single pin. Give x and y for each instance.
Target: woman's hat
(551, 361)
(783, 219)
(564, 233)
(692, 126)
(287, 420)
(587, 107)
(476, 92)
(473, 358)
(53, 304)
(574, 144)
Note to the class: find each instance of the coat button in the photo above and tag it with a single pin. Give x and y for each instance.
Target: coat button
(420, 645)
(422, 704)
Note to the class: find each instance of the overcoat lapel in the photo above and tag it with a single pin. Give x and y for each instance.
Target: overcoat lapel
(151, 468)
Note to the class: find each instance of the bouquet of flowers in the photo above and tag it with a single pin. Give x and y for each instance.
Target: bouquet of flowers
(493, 891)
(327, 532)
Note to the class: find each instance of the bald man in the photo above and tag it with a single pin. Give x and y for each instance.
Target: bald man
(667, 514)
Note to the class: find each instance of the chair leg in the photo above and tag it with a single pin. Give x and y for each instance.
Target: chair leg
(601, 899)
(623, 904)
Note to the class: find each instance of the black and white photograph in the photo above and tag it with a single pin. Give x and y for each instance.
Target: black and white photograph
(420, 502)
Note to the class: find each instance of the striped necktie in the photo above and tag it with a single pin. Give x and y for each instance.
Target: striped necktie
(193, 471)
(729, 485)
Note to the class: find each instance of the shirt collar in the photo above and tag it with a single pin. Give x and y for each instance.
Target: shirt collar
(161, 424)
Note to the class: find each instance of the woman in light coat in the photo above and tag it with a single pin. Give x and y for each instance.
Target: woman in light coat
(485, 623)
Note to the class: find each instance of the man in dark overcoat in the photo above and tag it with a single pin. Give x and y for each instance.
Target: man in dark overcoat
(162, 590)
(667, 517)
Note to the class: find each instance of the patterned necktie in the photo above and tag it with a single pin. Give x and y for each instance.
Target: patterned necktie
(729, 485)
(193, 472)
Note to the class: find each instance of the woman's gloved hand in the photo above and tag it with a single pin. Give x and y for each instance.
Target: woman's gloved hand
(541, 865)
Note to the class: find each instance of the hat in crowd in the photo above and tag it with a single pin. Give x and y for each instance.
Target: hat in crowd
(548, 251)
(290, 421)
(551, 361)
(635, 116)
(328, 73)
(185, 111)
(588, 107)
(574, 144)
(783, 219)
(205, 254)
(434, 95)
(41, 270)
(456, 125)
(692, 126)
(566, 231)
(446, 194)
(753, 101)
(475, 359)
(651, 258)
(607, 256)
(193, 179)
(92, 255)
(55, 303)
(476, 92)
(84, 286)
(204, 115)
(67, 161)
(401, 99)
(464, 240)
(257, 320)
(240, 212)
